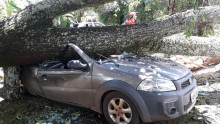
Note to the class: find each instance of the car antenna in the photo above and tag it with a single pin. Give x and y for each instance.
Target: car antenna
(108, 59)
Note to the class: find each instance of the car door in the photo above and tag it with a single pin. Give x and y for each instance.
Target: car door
(70, 82)
(67, 85)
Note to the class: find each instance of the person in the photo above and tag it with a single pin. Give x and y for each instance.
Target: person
(132, 18)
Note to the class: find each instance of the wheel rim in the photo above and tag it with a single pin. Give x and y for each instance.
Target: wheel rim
(119, 111)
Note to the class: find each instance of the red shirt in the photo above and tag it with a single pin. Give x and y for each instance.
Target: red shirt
(129, 22)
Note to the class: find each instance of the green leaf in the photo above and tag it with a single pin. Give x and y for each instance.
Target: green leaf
(203, 18)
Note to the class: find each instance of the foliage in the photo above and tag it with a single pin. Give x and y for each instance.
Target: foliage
(183, 5)
(10, 7)
(71, 19)
(189, 30)
(200, 27)
(204, 28)
(156, 8)
(65, 21)
(117, 16)
(147, 9)
(2, 15)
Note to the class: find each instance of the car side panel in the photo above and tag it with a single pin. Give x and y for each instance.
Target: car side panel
(67, 86)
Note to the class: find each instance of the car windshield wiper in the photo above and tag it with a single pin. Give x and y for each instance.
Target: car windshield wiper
(110, 60)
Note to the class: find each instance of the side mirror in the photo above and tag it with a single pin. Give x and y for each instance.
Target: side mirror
(76, 64)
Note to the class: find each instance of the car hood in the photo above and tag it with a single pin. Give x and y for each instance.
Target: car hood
(150, 66)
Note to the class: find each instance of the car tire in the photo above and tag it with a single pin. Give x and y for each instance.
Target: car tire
(118, 108)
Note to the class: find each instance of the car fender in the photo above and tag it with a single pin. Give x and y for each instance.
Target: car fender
(124, 88)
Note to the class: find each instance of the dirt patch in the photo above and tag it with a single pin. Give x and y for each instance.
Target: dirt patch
(32, 109)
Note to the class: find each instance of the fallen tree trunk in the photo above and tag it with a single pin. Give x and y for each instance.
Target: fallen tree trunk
(35, 45)
(42, 13)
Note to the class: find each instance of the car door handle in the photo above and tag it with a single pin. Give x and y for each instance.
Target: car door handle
(44, 77)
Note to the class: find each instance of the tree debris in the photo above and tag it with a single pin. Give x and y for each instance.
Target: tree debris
(195, 63)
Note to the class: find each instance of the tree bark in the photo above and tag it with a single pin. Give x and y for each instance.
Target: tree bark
(11, 89)
(37, 44)
(172, 7)
(43, 12)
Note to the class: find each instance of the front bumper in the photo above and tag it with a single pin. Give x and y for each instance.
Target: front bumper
(170, 105)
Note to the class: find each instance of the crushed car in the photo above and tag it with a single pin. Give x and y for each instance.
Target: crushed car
(128, 90)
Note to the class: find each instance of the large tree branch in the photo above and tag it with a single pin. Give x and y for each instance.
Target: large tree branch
(42, 12)
(35, 45)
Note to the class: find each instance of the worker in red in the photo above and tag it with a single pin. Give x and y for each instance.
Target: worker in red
(132, 18)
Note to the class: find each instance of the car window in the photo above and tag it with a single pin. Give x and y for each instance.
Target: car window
(69, 59)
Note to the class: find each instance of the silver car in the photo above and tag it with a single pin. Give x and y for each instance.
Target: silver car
(90, 24)
(127, 90)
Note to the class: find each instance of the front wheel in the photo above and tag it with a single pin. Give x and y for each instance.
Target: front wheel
(118, 109)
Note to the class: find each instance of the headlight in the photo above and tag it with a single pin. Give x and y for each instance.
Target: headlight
(160, 85)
